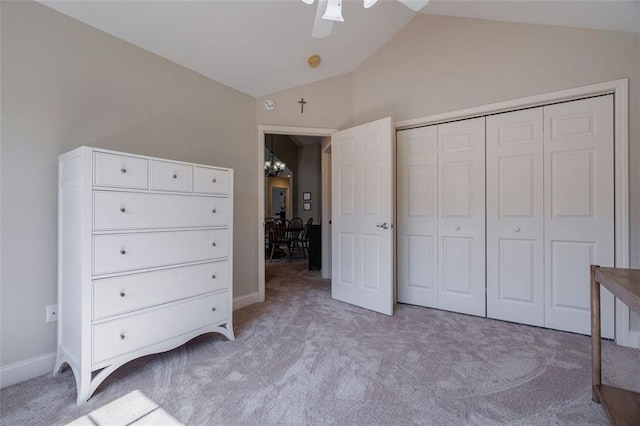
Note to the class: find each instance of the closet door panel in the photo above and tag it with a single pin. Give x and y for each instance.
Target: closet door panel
(515, 214)
(579, 210)
(417, 216)
(461, 213)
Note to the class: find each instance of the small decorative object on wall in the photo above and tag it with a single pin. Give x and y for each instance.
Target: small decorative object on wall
(306, 207)
(302, 102)
(270, 104)
(306, 196)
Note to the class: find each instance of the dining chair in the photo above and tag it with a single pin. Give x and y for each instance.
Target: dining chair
(278, 237)
(296, 228)
(304, 237)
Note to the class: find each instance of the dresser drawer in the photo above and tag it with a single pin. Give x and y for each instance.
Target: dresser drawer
(119, 171)
(166, 176)
(212, 181)
(119, 295)
(128, 252)
(131, 210)
(114, 338)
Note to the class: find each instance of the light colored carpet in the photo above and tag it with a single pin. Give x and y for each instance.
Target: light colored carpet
(303, 358)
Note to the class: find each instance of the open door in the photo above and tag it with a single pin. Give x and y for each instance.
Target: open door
(363, 199)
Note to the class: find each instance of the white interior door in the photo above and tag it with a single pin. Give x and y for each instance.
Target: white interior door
(515, 217)
(417, 166)
(579, 210)
(362, 164)
(461, 224)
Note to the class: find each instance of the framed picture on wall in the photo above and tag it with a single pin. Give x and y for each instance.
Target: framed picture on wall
(306, 196)
(306, 206)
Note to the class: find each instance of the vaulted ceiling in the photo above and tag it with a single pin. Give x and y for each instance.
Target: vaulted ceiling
(260, 47)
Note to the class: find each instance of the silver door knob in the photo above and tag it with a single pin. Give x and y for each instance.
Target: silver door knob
(214, 180)
(213, 277)
(123, 170)
(457, 227)
(122, 209)
(383, 226)
(213, 309)
(123, 251)
(175, 176)
(213, 244)
(122, 336)
(122, 294)
(517, 229)
(213, 211)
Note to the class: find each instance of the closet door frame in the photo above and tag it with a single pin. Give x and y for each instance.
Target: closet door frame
(620, 90)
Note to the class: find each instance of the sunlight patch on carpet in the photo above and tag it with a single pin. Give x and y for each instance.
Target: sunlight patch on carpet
(132, 409)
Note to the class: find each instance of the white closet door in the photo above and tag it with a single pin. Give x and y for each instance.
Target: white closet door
(515, 215)
(579, 210)
(417, 216)
(461, 210)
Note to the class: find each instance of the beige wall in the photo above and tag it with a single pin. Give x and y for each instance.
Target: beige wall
(328, 105)
(65, 84)
(438, 64)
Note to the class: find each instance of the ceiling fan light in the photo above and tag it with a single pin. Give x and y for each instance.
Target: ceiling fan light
(369, 3)
(334, 11)
(308, 1)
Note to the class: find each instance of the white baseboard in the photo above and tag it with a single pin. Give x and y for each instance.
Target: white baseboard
(27, 369)
(249, 299)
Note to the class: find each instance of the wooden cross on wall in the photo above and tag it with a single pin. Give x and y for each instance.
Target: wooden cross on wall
(302, 102)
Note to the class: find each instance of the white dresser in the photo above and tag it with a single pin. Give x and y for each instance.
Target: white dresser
(144, 259)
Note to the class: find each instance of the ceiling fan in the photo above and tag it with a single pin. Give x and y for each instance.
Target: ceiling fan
(331, 10)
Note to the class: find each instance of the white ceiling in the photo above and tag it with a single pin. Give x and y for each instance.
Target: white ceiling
(261, 46)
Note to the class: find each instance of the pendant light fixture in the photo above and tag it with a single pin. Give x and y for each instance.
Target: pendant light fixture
(272, 166)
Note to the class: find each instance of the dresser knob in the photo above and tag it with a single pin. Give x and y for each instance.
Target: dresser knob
(457, 228)
(213, 309)
(213, 244)
(213, 277)
(175, 176)
(122, 336)
(517, 229)
(122, 294)
(123, 170)
(214, 180)
(123, 251)
(122, 209)
(213, 211)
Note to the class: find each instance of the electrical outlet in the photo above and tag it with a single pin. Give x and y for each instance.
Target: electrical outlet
(51, 313)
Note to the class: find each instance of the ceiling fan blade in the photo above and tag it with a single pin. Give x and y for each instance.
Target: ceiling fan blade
(414, 5)
(321, 27)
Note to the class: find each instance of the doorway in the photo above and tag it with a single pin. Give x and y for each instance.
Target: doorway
(279, 202)
(304, 196)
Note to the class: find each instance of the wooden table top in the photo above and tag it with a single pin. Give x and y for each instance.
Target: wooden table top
(623, 283)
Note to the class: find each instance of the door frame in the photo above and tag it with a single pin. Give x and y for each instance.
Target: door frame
(620, 90)
(263, 129)
(325, 271)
